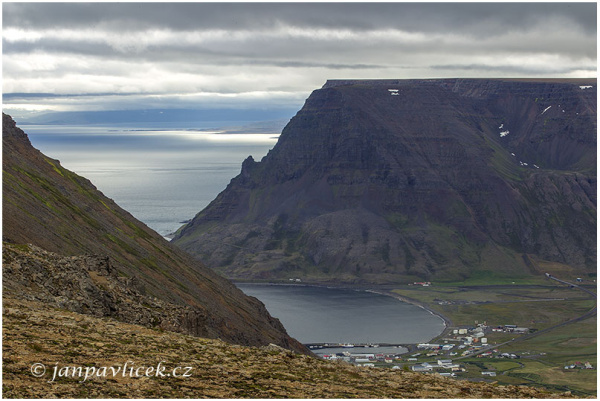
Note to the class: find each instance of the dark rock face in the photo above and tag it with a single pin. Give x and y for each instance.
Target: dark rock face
(91, 256)
(382, 181)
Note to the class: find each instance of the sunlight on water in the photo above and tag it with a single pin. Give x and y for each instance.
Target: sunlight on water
(162, 176)
(209, 136)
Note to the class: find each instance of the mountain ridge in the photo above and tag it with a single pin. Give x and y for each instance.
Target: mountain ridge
(110, 256)
(397, 180)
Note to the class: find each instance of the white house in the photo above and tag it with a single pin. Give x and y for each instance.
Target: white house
(424, 367)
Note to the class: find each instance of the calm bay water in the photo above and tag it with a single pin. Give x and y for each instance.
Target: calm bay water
(334, 315)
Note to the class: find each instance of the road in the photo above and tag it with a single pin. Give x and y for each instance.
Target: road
(592, 293)
(586, 315)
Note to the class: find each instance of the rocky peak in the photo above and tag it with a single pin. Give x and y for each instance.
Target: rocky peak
(10, 130)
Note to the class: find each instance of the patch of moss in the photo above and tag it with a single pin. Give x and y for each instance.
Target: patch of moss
(54, 167)
(125, 246)
(397, 220)
(20, 247)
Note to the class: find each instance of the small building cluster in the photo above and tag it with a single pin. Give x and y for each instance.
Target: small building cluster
(472, 339)
(363, 359)
(442, 364)
(511, 328)
(467, 341)
(436, 357)
(579, 365)
(496, 354)
(421, 283)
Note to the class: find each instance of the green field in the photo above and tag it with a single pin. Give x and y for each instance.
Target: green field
(542, 357)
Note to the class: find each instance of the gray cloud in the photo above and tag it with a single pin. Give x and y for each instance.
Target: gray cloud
(186, 54)
(516, 70)
(475, 17)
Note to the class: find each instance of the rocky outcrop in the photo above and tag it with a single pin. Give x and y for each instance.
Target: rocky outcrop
(89, 284)
(91, 256)
(35, 333)
(396, 180)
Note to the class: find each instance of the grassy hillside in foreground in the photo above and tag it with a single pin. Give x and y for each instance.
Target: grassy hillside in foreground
(36, 333)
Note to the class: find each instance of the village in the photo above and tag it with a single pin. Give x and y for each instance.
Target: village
(441, 358)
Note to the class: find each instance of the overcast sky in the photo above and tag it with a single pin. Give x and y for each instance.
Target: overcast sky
(106, 56)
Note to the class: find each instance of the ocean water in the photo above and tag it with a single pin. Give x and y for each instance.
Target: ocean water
(335, 315)
(161, 175)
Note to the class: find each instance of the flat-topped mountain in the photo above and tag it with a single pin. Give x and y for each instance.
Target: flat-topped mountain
(69, 246)
(396, 180)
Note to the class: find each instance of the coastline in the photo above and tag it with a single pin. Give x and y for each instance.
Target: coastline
(380, 290)
(447, 322)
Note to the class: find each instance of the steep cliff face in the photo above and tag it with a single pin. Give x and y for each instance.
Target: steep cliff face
(96, 258)
(397, 180)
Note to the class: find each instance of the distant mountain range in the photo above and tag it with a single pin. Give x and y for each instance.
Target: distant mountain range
(67, 245)
(386, 181)
(109, 117)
